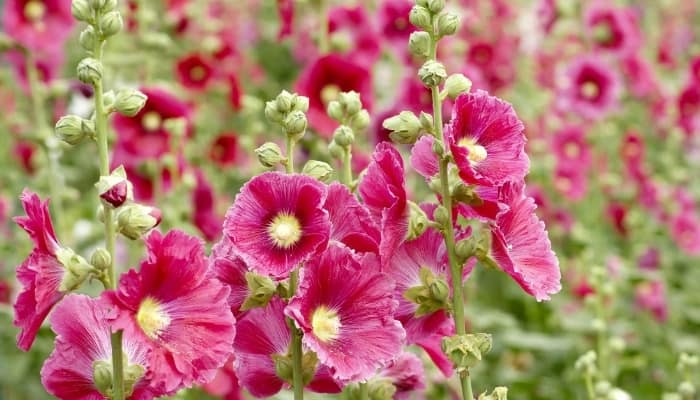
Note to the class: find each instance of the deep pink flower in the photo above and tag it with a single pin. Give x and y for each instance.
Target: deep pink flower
(685, 230)
(547, 14)
(616, 213)
(494, 60)
(570, 147)
(5, 292)
(486, 140)
(351, 222)
(262, 335)
(225, 150)
(689, 109)
(228, 267)
(83, 339)
(205, 216)
(651, 296)
(41, 274)
(48, 67)
(592, 88)
(285, 9)
(394, 24)
(174, 307)
(38, 25)
(225, 384)
(194, 72)
(640, 76)
(278, 222)
(383, 191)
(632, 153)
(235, 95)
(345, 308)
(695, 69)
(406, 374)
(571, 181)
(650, 260)
(423, 159)
(353, 24)
(321, 82)
(521, 247)
(611, 28)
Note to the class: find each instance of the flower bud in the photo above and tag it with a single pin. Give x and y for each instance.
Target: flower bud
(269, 155)
(405, 128)
(81, 10)
(72, 129)
(447, 24)
(260, 291)
(465, 351)
(335, 150)
(77, 269)
(420, 18)
(300, 103)
(272, 114)
(426, 121)
(457, 84)
(335, 110)
(319, 170)
(295, 124)
(343, 136)
(115, 189)
(360, 121)
(135, 220)
(132, 374)
(586, 362)
(432, 73)
(440, 216)
(101, 259)
(686, 389)
(435, 6)
(351, 102)
(102, 376)
(417, 221)
(284, 102)
(87, 38)
(97, 4)
(109, 5)
(465, 249)
(111, 23)
(419, 44)
(283, 367)
(129, 102)
(89, 71)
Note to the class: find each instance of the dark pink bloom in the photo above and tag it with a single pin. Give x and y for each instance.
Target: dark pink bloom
(173, 307)
(570, 147)
(695, 69)
(225, 384)
(486, 140)
(640, 76)
(423, 159)
(353, 24)
(321, 82)
(406, 374)
(393, 22)
(225, 150)
(383, 191)
(41, 274)
(632, 153)
(194, 72)
(650, 260)
(351, 222)
(48, 67)
(285, 9)
(616, 213)
(651, 296)
(547, 14)
(263, 334)
(5, 292)
(83, 339)
(205, 216)
(592, 88)
(278, 222)
(345, 308)
(689, 109)
(521, 247)
(226, 265)
(611, 28)
(494, 60)
(235, 94)
(40, 26)
(571, 181)
(685, 230)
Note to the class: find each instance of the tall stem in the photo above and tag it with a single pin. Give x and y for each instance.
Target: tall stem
(323, 34)
(346, 177)
(297, 372)
(364, 391)
(290, 154)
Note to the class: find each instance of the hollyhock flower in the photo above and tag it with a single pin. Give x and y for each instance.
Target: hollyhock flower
(632, 153)
(571, 182)
(650, 260)
(351, 222)
(263, 336)
(24, 151)
(38, 25)
(423, 159)
(547, 14)
(494, 59)
(394, 24)
(352, 24)
(345, 307)
(5, 291)
(520, 245)
(689, 109)
(225, 384)
(592, 89)
(194, 72)
(640, 75)
(651, 296)
(225, 150)
(204, 216)
(406, 374)
(228, 267)
(486, 140)
(616, 213)
(685, 230)
(414, 96)
(611, 28)
(695, 69)
(278, 222)
(570, 147)
(48, 67)
(322, 80)
(285, 8)
(383, 191)
(172, 306)
(83, 344)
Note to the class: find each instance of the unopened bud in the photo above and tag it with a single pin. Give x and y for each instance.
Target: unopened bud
(602, 388)
(81, 10)
(272, 114)
(77, 269)
(109, 5)
(441, 217)
(335, 150)
(260, 291)
(405, 128)
(466, 351)
(89, 71)
(101, 259)
(319, 170)
(432, 73)
(417, 222)
(420, 18)
(343, 136)
(419, 44)
(132, 374)
(135, 220)
(284, 101)
(300, 103)
(102, 377)
(465, 249)
(97, 4)
(269, 155)
(360, 121)
(87, 38)
(115, 189)
(129, 102)
(295, 124)
(335, 110)
(111, 23)
(72, 129)
(435, 6)
(447, 24)
(457, 84)
(351, 102)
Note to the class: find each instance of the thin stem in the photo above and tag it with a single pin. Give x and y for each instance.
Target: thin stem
(346, 178)
(602, 338)
(364, 391)
(297, 372)
(589, 386)
(323, 34)
(290, 154)
(117, 366)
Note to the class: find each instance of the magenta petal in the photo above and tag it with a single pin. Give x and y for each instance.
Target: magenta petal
(351, 223)
(229, 268)
(423, 160)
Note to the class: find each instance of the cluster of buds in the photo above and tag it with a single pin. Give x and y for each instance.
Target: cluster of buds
(289, 111)
(499, 393)
(102, 16)
(353, 119)
(432, 295)
(466, 351)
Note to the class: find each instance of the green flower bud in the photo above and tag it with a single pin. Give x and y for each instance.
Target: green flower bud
(72, 129)
(686, 389)
(260, 291)
(109, 5)
(343, 136)
(284, 366)
(447, 24)
(111, 23)
(436, 6)
(586, 362)
(351, 102)
(335, 150)
(438, 148)
(466, 351)
(500, 393)
(465, 249)
(405, 128)
(77, 269)
(97, 4)
(440, 216)
(295, 124)
(419, 44)
(102, 377)
(433, 293)
(360, 121)
(132, 374)
(420, 18)
(101, 259)
(432, 73)
(422, 3)
(129, 102)
(319, 170)
(272, 114)
(335, 110)
(6, 42)
(81, 10)
(108, 99)
(269, 155)
(135, 220)
(89, 71)
(300, 103)
(381, 389)
(115, 189)
(87, 38)
(457, 84)
(602, 388)
(417, 221)
(284, 102)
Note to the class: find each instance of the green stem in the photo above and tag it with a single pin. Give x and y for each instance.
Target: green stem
(290, 154)
(297, 372)
(323, 37)
(364, 391)
(589, 386)
(346, 178)
(602, 338)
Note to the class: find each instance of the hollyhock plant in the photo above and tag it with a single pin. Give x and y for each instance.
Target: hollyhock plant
(39, 25)
(180, 314)
(611, 28)
(83, 353)
(592, 88)
(345, 307)
(351, 222)
(278, 222)
(486, 140)
(406, 374)
(194, 72)
(354, 26)
(570, 147)
(226, 265)
(263, 339)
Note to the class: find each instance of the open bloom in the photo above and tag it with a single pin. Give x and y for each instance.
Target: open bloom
(570, 147)
(611, 28)
(592, 89)
(174, 307)
(354, 26)
(406, 374)
(351, 222)
(39, 25)
(194, 72)
(486, 140)
(226, 265)
(263, 338)
(277, 222)
(80, 366)
(651, 296)
(345, 308)
(520, 245)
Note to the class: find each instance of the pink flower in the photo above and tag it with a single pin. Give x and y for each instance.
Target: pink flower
(321, 82)
(640, 76)
(353, 24)
(345, 307)
(229, 268)
(520, 245)
(650, 260)
(194, 72)
(612, 29)
(5, 292)
(547, 14)
(570, 147)
(486, 140)
(494, 60)
(406, 374)
(394, 24)
(48, 67)
(225, 384)
(205, 216)
(685, 230)
(571, 181)
(285, 9)
(384, 193)
(278, 222)
(651, 296)
(225, 150)
(174, 307)
(592, 89)
(689, 109)
(351, 223)
(263, 335)
(38, 25)
(82, 342)
(42, 275)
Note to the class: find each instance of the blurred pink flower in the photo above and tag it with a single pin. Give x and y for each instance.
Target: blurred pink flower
(592, 88)
(40, 26)
(228, 267)
(570, 147)
(651, 296)
(611, 28)
(194, 72)
(406, 374)
(356, 31)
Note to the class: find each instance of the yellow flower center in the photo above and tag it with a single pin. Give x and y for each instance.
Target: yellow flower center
(197, 73)
(151, 317)
(151, 121)
(35, 10)
(571, 150)
(284, 230)
(325, 324)
(329, 93)
(477, 152)
(590, 90)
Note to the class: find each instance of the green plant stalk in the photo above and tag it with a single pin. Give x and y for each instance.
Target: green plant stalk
(346, 178)
(602, 339)
(290, 154)
(323, 38)
(589, 385)
(364, 391)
